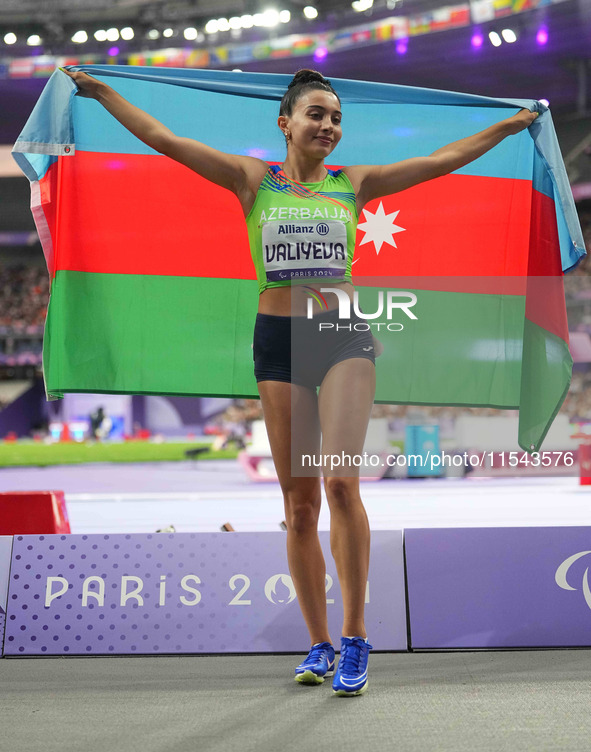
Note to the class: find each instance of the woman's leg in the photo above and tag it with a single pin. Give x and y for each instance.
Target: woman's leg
(345, 401)
(302, 495)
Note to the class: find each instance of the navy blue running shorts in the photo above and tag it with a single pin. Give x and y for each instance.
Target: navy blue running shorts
(301, 350)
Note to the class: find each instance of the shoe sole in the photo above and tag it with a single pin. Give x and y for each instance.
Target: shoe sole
(309, 677)
(344, 693)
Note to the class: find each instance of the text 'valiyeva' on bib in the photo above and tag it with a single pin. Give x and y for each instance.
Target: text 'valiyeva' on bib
(304, 249)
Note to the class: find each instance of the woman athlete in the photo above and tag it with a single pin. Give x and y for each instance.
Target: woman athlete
(296, 415)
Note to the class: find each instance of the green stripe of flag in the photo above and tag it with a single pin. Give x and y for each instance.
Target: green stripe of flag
(124, 333)
(142, 334)
(464, 349)
(546, 375)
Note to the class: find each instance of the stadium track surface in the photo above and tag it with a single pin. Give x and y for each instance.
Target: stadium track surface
(497, 701)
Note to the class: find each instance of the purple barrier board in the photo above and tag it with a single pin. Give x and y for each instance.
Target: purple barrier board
(499, 587)
(182, 593)
(5, 554)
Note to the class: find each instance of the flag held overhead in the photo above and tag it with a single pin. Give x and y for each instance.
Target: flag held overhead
(154, 290)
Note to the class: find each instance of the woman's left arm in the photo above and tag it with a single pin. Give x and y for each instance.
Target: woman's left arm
(374, 181)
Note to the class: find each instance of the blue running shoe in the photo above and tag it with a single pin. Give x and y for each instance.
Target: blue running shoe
(318, 664)
(351, 676)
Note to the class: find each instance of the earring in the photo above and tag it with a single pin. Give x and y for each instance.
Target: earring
(287, 135)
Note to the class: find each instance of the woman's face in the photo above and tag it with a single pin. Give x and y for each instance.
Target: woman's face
(315, 123)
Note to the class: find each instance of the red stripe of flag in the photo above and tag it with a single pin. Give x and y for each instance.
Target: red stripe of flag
(138, 214)
(545, 304)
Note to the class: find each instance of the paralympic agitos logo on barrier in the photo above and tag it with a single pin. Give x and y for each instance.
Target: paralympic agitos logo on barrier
(562, 571)
(395, 300)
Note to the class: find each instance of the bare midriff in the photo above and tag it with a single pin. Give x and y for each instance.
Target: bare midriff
(293, 301)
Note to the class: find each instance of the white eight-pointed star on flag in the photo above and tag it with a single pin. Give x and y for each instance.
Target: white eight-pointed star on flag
(379, 228)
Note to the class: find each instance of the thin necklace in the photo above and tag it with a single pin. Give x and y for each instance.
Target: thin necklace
(296, 181)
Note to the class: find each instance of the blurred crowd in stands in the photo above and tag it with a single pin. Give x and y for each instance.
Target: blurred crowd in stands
(24, 294)
(577, 404)
(246, 411)
(577, 284)
(584, 212)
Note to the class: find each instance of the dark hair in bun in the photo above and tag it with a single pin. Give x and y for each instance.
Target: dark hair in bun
(304, 80)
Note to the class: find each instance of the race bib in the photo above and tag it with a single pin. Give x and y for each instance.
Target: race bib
(304, 249)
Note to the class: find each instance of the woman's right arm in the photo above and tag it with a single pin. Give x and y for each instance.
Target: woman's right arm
(240, 174)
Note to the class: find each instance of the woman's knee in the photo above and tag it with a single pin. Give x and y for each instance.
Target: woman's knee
(302, 509)
(341, 492)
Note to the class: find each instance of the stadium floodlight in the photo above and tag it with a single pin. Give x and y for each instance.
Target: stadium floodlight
(223, 24)
(495, 39)
(80, 37)
(509, 35)
(361, 5)
(310, 12)
(167, 32)
(211, 27)
(127, 33)
(402, 46)
(235, 22)
(236, 70)
(270, 17)
(100, 35)
(9, 38)
(246, 21)
(112, 35)
(477, 40)
(284, 16)
(258, 19)
(190, 33)
(153, 34)
(34, 40)
(542, 36)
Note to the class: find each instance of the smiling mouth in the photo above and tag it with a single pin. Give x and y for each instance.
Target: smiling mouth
(326, 140)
